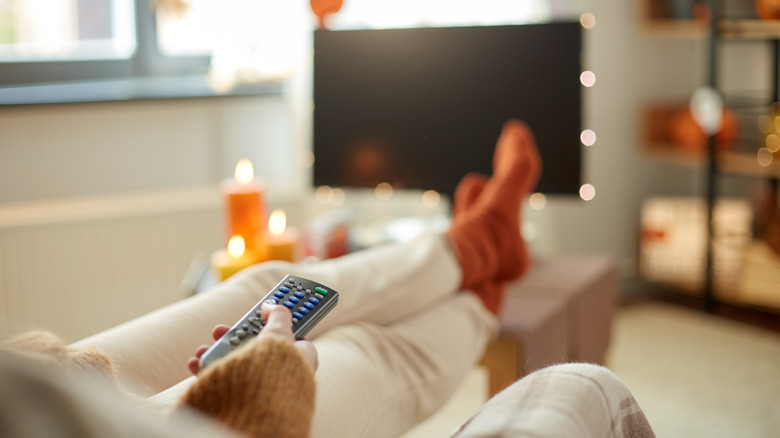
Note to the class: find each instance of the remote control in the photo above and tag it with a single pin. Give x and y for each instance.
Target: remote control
(308, 301)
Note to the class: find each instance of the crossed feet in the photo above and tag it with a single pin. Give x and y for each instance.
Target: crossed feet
(485, 230)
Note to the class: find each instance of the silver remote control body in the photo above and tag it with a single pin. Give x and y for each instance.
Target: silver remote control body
(308, 301)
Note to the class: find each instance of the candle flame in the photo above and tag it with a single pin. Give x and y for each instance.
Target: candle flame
(277, 222)
(236, 246)
(244, 171)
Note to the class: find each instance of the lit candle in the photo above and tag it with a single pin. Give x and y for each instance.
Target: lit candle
(245, 206)
(281, 242)
(237, 257)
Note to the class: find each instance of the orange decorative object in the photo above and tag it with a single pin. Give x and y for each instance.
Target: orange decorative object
(281, 242)
(322, 8)
(226, 263)
(768, 9)
(245, 207)
(685, 132)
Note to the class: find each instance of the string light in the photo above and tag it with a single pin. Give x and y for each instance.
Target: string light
(588, 137)
(588, 78)
(587, 20)
(587, 192)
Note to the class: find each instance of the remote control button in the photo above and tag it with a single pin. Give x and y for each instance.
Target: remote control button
(258, 312)
(308, 305)
(293, 299)
(300, 288)
(308, 291)
(245, 326)
(240, 334)
(256, 331)
(278, 294)
(299, 294)
(283, 290)
(321, 290)
(319, 297)
(295, 320)
(291, 280)
(234, 340)
(288, 305)
(297, 315)
(314, 300)
(303, 310)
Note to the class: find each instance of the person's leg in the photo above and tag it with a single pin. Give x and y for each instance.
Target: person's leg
(581, 400)
(380, 285)
(379, 381)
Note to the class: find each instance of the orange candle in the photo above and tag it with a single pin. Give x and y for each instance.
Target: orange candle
(237, 257)
(281, 242)
(245, 206)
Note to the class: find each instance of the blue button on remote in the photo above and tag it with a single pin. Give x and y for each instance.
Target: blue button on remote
(303, 310)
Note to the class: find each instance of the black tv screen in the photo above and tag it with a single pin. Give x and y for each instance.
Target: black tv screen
(421, 107)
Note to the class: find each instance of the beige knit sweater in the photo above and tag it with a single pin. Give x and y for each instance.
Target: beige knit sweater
(264, 389)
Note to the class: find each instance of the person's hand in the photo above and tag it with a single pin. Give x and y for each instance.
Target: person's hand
(279, 322)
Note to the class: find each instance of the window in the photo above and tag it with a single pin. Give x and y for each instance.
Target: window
(43, 41)
(75, 30)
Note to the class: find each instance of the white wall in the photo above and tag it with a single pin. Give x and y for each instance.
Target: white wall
(53, 151)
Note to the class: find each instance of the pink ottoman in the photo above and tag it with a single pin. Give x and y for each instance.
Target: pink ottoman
(561, 311)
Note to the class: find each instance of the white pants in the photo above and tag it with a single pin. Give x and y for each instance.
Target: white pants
(567, 400)
(392, 352)
(394, 349)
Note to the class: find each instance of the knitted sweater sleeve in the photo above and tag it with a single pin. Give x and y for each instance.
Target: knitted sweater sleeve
(264, 389)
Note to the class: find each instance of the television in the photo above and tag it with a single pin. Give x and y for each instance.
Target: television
(421, 107)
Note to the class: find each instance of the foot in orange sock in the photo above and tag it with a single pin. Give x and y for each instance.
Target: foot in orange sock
(485, 229)
(489, 292)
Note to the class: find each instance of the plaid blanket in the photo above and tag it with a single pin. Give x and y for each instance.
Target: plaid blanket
(568, 400)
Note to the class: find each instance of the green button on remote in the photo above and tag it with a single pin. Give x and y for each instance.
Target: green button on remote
(321, 290)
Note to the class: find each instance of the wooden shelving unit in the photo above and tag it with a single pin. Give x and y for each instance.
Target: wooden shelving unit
(743, 157)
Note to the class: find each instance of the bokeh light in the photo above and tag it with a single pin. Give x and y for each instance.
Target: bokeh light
(588, 78)
(587, 192)
(537, 201)
(383, 191)
(431, 198)
(338, 197)
(588, 137)
(773, 142)
(323, 194)
(588, 20)
(765, 157)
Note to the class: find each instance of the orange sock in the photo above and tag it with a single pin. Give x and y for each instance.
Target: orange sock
(485, 228)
